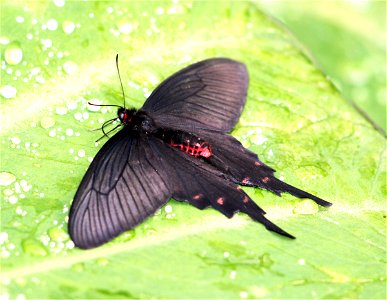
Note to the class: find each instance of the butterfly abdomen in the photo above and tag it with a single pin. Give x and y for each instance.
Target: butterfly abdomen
(186, 142)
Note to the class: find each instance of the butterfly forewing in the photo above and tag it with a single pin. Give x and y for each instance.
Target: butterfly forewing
(208, 94)
(124, 185)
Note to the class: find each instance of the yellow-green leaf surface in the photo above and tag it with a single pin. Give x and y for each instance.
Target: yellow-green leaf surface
(352, 53)
(58, 55)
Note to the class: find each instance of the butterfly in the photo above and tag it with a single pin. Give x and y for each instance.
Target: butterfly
(176, 146)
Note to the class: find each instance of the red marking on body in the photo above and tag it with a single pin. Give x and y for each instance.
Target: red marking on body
(196, 150)
(245, 199)
(265, 179)
(220, 201)
(258, 164)
(127, 118)
(246, 180)
(197, 197)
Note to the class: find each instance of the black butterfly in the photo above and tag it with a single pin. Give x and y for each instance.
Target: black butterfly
(176, 146)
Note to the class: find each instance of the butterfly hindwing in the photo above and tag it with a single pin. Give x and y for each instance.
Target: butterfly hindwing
(123, 186)
(210, 94)
(195, 182)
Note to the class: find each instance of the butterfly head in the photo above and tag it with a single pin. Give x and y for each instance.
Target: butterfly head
(125, 115)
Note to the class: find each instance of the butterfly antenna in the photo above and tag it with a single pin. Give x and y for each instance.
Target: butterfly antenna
(119, 76)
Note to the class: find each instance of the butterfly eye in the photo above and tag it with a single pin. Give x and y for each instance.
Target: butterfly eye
(121, 116)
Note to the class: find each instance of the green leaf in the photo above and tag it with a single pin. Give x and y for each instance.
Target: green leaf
(294, 120)
(352, 53)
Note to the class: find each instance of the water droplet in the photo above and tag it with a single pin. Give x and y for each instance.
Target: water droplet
(71, 105)
(102, 261)
(69, 132)
(13, 53)
(57, 234)
(40, 79)
(70, 67)
(109, 10)
(8, 91)
(52, 133)
(34, 247)
(78, 116)
(8, 192)
(151, 231)
(243, 294)
(68, 27)
(79, 267)
(3, 237)
(233, 275)
(125, 27)
(168, 209)
(47, 122)
(19, 19)
(13, 199)
(61, 110)
(81, 153)
(20, 297)
(59, 3)
(306, 207)
(15, 140)
(4, 40)
(7, 178)
(301, 261)
(52, 24)
(47, 43)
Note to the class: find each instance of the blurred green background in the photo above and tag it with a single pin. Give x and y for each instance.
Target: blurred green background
(347, 40)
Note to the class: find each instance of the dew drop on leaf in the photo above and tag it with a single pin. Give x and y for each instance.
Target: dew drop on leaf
(59, 3)
(40, 79)
(13, 53)
(47, 122)
(61, 110)
(57, 234)
(3, 237)
(4, 40)
(79, 267)
(68, 27)
(81, 153)
(19, 19)
(6, 178)
(102, 261)
(52, 24)
(13, 199)
(8, 91)
(69, 132)
(8, 192)
(70, 67)
(125, 27)
(34, 247)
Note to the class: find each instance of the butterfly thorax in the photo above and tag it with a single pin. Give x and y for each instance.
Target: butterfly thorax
(137, 120)
(187, 142)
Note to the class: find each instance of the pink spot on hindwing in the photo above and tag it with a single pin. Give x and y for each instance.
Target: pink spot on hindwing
(265, 179)
(246, 180)
(220, 201)
(197, 197)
